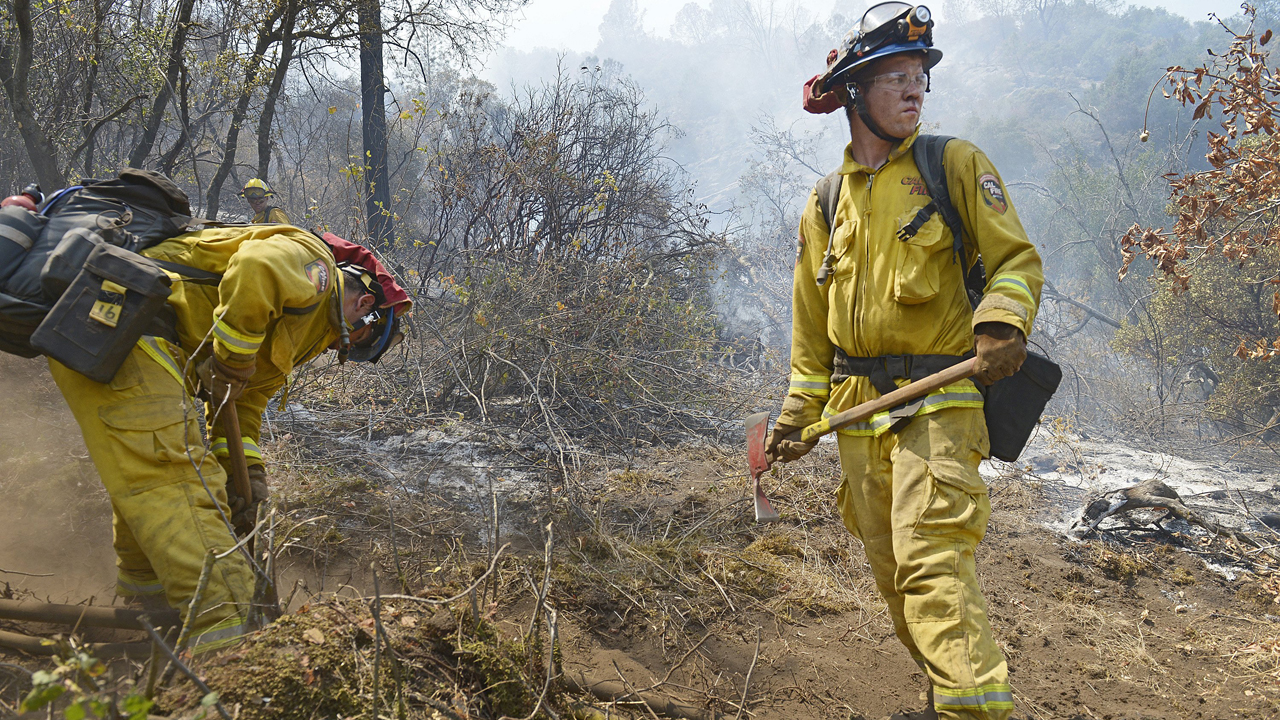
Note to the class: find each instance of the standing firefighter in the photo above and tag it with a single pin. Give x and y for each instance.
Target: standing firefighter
(883, 305)
(251, 304)
(259, 195)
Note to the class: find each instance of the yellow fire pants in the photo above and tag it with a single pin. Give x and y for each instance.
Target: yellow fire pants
(168, 494)
(918, 505)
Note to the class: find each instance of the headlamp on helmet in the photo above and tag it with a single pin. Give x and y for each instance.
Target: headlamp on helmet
(885, 29)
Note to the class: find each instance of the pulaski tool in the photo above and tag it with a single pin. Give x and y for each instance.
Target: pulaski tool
(758, 425)
(230, 422)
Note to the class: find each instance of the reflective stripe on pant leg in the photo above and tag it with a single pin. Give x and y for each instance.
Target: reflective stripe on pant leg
(986, 698)
(134, 575)
(941, 510)
(864, 500)
(128, 588)
(142, 433)
(219, 635)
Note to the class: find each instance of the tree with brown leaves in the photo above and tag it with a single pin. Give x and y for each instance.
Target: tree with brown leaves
(1232, 209)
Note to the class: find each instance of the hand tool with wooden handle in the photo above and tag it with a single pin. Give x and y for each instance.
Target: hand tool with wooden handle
(758, 424)
(235, 447)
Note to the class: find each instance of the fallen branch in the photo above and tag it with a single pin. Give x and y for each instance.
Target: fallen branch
(84, 615)
(32, 645)
(612, 690)
(1153, 494)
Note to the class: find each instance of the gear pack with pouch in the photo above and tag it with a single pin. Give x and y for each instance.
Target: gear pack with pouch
(107, 308)
(84, 244)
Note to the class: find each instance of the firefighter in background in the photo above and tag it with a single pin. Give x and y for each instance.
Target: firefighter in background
(910, 489)
(280, 298)
(259, 195)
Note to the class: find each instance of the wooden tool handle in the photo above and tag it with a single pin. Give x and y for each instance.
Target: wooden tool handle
(235, 447)
(906, 393)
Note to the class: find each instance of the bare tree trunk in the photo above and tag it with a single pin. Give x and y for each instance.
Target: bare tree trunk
(89, 128)
(154, 120)
(13, 74)
(373, 90)
(266, 36)
(168, 160)
(273, 91)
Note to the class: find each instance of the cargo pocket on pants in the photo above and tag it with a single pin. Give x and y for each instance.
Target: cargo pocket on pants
(150, 437)
(845, 505)
(958, 507)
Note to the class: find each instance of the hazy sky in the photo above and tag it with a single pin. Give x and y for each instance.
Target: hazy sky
(574, 24)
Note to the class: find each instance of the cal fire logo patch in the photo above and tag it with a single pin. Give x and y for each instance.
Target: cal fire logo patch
(993, 193)
(318, 274)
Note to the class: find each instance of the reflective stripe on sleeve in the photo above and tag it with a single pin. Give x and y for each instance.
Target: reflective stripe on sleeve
(1016, 284)
(819, 385)
(986, 697)
(234, 340)
(251, 449)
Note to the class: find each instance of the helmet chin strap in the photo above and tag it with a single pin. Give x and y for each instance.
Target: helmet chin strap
(860, 105)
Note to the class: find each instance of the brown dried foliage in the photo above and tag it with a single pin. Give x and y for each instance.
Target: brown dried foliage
(1231, 208)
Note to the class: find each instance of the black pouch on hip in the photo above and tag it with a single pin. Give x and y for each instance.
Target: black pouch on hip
(108, 307)
(1013, 405)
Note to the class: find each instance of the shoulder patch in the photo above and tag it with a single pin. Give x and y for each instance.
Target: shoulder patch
(318, 273)
(992, 193)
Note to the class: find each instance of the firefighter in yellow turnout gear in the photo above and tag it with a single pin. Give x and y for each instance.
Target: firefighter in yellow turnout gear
(276, 298)
(259, 195)
(911, 491)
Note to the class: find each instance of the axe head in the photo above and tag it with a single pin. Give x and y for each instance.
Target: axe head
(757, 428)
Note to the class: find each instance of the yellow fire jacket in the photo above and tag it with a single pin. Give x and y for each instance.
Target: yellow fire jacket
(270, 310)
(272, 214)
(889, 297)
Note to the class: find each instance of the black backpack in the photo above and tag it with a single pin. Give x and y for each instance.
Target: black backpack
(1013, 405)
(42, 253)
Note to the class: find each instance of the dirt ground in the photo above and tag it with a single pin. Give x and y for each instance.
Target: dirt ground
(1091, 629)
(662, 582)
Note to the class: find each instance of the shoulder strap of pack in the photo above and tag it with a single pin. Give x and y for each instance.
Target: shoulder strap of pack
(194, 276)
(929, 152)
(829, 195)
(828, 189)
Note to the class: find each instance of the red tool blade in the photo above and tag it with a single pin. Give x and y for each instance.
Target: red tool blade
(757, 426)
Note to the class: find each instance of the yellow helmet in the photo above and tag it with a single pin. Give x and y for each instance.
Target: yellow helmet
(255, 189)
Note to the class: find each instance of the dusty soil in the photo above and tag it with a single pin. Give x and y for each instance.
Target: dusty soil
(663, 582)
(1091, 629)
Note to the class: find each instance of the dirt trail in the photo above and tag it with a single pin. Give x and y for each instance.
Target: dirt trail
(1091, 630)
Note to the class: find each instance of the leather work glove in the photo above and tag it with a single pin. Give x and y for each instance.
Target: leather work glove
(1000, 348)
(222, 382)
(776, 449)
(245, 514)
(825, 103)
